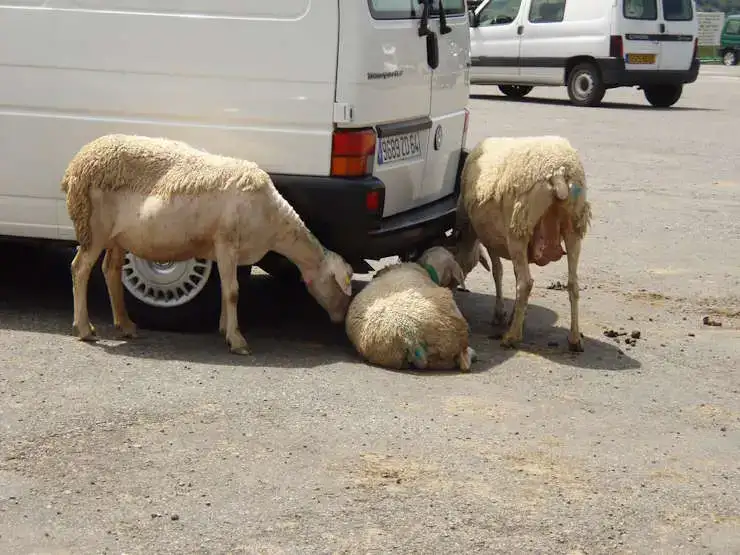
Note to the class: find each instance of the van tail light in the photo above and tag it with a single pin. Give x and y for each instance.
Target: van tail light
(616, 46)
(696, 48)
(352, 152)
(465, 125)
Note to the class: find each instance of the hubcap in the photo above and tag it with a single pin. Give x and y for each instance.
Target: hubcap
(165, 284)
(583, 85)
(729, 58)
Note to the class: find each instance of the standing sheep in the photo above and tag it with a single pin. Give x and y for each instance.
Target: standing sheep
(407, 315)
(520, 196)
(162, 199)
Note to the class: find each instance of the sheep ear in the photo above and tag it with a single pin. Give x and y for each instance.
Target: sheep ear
(458, 274)
(344, 280)
(483, 259)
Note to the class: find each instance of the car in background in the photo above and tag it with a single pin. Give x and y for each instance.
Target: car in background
(729, 42)
(588, 46)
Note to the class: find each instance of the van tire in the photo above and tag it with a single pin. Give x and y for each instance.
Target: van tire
(663, 96)
(729, 58)
(585, 85)
(201, 311)
(515, 91)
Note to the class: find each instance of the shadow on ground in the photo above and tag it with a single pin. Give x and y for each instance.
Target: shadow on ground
(603, 105)
(283, 324)
(542, 337)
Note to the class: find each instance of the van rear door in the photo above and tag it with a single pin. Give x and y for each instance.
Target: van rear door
(679, 30)
(639, 27)
(385, 80)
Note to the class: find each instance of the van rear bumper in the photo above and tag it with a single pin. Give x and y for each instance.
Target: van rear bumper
(335, 211)
(615, 74)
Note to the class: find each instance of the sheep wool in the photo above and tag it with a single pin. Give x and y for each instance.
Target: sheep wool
(403, 318)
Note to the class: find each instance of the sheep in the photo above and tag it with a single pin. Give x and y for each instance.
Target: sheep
(519, 197)
(407, 316)
(163, 199)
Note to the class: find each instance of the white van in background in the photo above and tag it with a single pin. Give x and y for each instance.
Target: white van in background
(589, 46)
(357, 110)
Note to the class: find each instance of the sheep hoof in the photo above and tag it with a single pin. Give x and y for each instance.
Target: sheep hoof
(90, 335)
(498, 318)
(576, 347)
(243, 351)
(509, 342)
(127, 331)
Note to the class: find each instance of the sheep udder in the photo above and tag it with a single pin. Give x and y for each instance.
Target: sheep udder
(545, 245)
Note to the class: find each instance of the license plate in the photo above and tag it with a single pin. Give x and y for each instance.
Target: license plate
(640, 58)
(399, 147)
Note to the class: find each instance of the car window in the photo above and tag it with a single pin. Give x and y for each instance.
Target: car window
(640, 9)
(547, 11)
(499, 12)
(411, 9)
(677, 10)
(733, 27)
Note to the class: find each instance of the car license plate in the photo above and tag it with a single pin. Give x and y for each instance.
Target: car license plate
(399, 147)
(640, 58)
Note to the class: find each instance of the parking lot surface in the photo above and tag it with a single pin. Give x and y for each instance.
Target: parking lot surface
(168, 444)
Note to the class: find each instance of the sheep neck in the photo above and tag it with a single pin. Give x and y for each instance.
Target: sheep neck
(301, 247)
(432, 273)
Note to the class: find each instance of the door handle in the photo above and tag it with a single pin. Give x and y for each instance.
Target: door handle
(662, 27)
(520, 29)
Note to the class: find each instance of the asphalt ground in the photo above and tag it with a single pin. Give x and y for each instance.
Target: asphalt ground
(168, 444)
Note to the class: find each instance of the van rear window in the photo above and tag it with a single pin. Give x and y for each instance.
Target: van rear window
(411, 9)
(640, 9)
(677, 10)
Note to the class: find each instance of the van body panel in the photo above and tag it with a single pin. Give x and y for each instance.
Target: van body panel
(87, 67)
(495, 46)
(681, 27)
(385, 78)
(588, 27)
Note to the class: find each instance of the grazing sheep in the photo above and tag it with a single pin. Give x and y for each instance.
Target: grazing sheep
(520, 196)
(407, 315)
(162, 199)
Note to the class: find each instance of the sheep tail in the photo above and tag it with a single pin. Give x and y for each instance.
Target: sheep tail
(559, 185)
(79, 208)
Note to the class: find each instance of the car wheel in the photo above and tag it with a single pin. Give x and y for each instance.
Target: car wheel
(174, 296)
(515, 91)
(729, 58)
(663, 96)
(585, 85)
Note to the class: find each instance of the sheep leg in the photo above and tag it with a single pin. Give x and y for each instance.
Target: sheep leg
(112, 267)
(81, 267)
(226, 260)
(497, 270)
(524, 283)
(222, 318)
(573, 248)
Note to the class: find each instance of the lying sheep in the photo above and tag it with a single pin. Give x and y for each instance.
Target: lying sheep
(406, 315)
(520, 196)
(162, 199)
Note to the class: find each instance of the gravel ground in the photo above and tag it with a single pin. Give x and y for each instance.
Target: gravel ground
(169, 445)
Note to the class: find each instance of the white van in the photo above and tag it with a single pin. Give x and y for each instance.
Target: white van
(356, 108)
(588, 46)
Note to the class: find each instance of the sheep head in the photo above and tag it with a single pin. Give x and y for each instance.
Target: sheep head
(443, 262)
(331, 285)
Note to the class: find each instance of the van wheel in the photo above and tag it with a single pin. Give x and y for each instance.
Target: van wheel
(663, 96)
(515, 91)
(585, 85)
(729, 58)
(173, 296)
